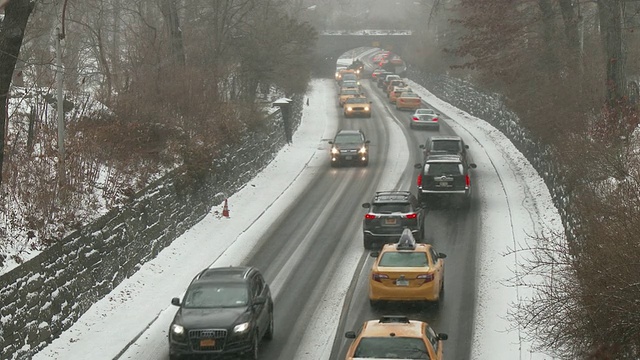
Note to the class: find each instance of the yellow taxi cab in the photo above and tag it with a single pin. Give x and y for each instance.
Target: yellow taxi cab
(408, 101)
(395, 337)
(396, 92)
(357, 105)
(346, 93)
(393, 83)
(344, 74)
(407, 271)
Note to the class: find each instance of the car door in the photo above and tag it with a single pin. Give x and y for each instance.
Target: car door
(261, 311)
(438, 266)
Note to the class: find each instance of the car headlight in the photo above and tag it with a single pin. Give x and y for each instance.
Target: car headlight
(349, 108)
(366, 108)
(335, 151)
(362, 150)
(177, 330)
(241, 327)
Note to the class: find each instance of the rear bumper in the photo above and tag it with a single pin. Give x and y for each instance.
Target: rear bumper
(381, 292)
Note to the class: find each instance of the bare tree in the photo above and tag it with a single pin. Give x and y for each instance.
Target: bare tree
(12, 29)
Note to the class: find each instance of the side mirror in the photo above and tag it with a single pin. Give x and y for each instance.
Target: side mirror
(418, 166)
(260, 300)
(350, 334)
(422, 146)
(473, 166)
(466, 146)
(374, 254)
(366, 205)
(175, 301)
(330, 142)
(442, 255)
(367, 142)
(442, 336)
(437, 114)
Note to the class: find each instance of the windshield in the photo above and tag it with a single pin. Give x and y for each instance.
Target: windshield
(391, 208)
(438, 169)
(448, 146)
(392, 348)
(404, 259)
(348, 139)
(357, 101)
(211, 295)
(350, 92)
(349, 83)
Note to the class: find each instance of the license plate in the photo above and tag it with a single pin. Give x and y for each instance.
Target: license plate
(402, 282)
(390, 221)
(348, 157)
(207, 343)
(444, 183)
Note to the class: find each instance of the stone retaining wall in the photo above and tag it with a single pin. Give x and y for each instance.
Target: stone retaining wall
(48, 293)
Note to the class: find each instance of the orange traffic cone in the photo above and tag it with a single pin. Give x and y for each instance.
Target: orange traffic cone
(225, 209)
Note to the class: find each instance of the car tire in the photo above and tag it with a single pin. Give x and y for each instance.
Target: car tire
(367, 244)
(269, 334)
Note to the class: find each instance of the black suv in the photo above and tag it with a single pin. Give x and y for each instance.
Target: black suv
(225, 312)
(390, 212)
(445, 145)
(444, 175)
(349, 146)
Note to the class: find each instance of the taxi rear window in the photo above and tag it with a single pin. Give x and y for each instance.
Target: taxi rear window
(392, 348)
(403, 259)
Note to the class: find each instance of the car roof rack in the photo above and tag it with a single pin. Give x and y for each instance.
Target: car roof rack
(391, 319)
(392, 195)
(393, 192)
(407, 241)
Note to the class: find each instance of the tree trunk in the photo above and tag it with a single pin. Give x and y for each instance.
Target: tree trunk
(548, 32)
(572, 34)
(170, 12)
(610, 12)
(12, 28)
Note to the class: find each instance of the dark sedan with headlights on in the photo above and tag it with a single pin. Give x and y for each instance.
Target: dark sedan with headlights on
(225, 313)
(349, 147)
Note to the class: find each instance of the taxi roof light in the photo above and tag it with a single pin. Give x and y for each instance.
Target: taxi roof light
(388, 319)
(407, 241)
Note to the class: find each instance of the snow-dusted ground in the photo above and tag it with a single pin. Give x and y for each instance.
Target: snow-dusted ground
(512, 208)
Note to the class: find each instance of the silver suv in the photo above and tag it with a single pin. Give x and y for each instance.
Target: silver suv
(388, 215)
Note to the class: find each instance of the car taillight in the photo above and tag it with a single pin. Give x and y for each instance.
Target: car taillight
(435, 119)
(369, 216)
(426, 277)
(419, 181)
(411, 216)
(415, 118)
(467, 180)
(378, 277)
